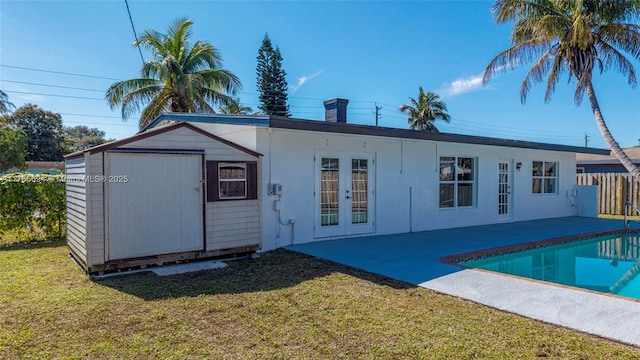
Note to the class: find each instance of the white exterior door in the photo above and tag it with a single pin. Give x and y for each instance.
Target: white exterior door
(157, 208)
(344, 194)
(504, 190)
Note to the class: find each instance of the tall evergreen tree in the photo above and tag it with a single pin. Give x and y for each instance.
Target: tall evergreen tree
(272, 84)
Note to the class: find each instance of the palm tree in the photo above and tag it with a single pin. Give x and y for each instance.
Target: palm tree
(5, 105)
(423, 112)
(235, 108)
(573, 36)
(182, 77)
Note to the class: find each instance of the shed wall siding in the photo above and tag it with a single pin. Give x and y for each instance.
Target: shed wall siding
(232, 224)
(239, 134)
(76, 208)
(228, 224)
(96, 210)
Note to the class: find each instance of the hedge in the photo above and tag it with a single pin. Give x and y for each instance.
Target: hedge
(33, 201)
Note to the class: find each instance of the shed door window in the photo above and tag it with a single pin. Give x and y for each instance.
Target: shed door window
(232, 180)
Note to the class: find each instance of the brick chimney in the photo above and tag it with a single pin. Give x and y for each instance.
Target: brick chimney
(335, 110)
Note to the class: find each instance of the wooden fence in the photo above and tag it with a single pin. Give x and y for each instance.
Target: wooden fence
(613, 190)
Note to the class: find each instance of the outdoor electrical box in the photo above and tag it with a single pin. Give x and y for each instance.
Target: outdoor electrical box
(275, 189)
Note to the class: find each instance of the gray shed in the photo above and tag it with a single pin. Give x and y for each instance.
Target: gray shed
(169, 194)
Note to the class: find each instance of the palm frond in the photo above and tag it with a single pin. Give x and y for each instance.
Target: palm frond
(180, 78)
(622, 36)
(423, 111)
(152, 41)
(612, 57)
(510, 10)
(5, 105)
(116, 93)
(513, 57)
(202, 56)
(136, 99)
(179, 34)
(536, 74)
(222, 79)
(156, 106)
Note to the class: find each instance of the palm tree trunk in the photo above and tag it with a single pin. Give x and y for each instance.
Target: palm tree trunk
(602, 126)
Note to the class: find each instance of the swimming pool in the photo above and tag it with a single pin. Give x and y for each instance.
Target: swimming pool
(608, 264)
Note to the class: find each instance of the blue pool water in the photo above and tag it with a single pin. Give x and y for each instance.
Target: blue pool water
(608, 264)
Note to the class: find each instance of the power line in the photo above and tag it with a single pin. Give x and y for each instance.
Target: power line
(135, 35)
(58, 72)
(54, 95)
(49, 85)
(90, 115)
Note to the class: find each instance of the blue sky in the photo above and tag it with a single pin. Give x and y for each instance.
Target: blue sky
(367, 52)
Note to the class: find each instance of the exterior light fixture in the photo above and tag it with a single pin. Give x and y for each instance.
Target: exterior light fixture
(518, 166)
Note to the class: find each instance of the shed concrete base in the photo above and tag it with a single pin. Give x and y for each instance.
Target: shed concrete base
(171, 269)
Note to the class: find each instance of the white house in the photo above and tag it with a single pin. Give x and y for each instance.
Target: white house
(209, 185)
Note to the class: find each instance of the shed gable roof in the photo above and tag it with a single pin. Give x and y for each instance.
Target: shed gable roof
(157, 131)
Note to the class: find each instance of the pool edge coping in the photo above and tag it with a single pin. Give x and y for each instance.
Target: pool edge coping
(455, 259)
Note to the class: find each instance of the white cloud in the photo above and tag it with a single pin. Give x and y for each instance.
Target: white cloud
(303, 79)
(472, 83)
(18, 92)
(32, 98)
(462, 86)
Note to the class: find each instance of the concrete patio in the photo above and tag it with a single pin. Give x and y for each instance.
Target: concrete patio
(414, 258)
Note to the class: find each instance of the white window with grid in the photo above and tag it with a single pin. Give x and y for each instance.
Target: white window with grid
(544, 177)
(457, 182)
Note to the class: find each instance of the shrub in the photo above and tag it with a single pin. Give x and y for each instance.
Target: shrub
(32, 202)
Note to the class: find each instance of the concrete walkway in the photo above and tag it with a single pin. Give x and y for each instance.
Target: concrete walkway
(414, 258)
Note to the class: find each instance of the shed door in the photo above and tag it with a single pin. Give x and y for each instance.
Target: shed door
(154, 204)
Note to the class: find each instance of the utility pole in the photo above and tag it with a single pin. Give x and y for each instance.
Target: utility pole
(378, 115)
(586, 140)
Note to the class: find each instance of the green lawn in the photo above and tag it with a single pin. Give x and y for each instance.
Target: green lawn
(282, 305)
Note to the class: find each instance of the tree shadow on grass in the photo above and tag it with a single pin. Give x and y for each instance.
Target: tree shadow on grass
(35, 244)
(274, 270)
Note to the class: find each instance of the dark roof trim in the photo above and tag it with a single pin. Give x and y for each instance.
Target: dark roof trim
(73, 156)
(220, 119)
(157, 151)
(157, 131)
(280, 122)
(605, 162)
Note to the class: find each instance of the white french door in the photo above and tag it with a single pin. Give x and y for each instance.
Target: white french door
(344, 194)
(504, 190)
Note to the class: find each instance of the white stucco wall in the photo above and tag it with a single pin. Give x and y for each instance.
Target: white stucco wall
(401, 165)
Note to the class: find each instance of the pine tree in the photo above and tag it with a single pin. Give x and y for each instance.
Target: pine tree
(271, 81)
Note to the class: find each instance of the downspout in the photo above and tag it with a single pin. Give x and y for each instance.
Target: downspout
(269, 132)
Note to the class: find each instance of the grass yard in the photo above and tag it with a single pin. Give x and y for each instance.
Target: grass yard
(282, 305)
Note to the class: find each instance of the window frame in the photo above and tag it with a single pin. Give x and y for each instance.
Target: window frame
(232, 165)
(544, 176)
(456, 182)
(213, 180)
